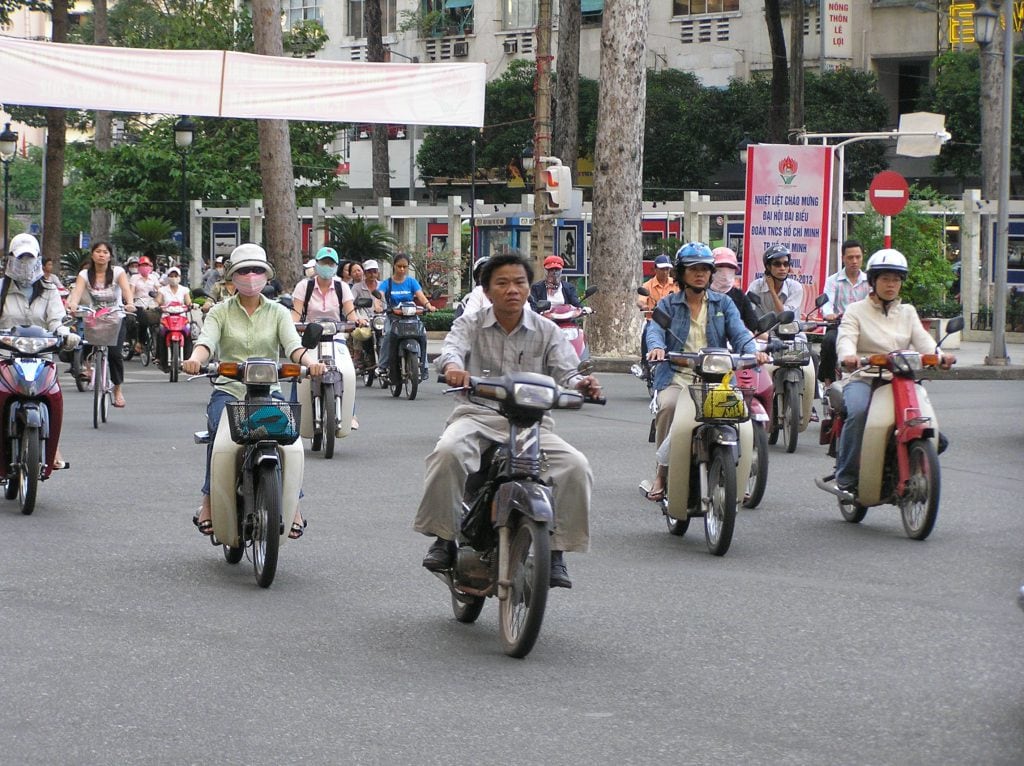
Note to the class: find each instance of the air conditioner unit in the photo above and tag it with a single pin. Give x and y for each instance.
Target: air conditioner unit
(511, 45)
(460, 49)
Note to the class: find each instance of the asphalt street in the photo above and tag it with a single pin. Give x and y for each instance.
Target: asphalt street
(126, 638)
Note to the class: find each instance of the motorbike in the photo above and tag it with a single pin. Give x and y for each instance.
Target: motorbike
(366, 354)
(403, 367)
(899, 462)
(508, 513)
(329, 400)
(702, 471)
(256, 462)
(642, 370)
(794, 381)
(174, 322)
(569, 320)
(32, 411)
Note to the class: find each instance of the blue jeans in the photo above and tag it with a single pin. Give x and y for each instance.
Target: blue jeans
(385, 349)
(856, 398)
(214, 410)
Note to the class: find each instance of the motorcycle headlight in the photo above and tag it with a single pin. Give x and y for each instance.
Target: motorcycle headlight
(533, 396)
(329, 328)
(261, 373)
(408, 310)
(378, 324)
(906, 361)
(28, 345)
(716, 364)
(789, 328)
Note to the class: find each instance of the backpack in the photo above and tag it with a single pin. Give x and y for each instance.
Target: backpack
(309, 294)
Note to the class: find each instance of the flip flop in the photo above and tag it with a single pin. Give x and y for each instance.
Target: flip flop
(298, 530)
(60, 465)
(119, 406)
(204, 527)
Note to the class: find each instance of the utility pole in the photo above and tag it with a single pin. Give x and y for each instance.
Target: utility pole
(542, 234)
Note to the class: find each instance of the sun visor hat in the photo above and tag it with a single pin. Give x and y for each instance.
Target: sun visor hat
(248, 255)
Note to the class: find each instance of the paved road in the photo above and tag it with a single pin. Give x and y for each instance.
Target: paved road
(125, 638)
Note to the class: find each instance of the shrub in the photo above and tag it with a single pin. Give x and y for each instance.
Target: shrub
(440, 320)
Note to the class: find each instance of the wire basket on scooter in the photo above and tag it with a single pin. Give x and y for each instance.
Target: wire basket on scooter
(252, 422)
(103, 329)
(718, 403)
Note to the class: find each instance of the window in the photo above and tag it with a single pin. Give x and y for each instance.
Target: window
(518, 13)
(388, 17)
(696, 7)
(301, 10)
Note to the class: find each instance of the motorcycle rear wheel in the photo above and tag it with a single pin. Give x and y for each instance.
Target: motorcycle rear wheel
(758, 479)
(28, 475)
(791, 415)
(919, 506)
(720, 518)
(329, 401)
(520, 615)
(412, 375)
(266, 527)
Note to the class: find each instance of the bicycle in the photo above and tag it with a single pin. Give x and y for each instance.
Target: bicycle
(102, 327)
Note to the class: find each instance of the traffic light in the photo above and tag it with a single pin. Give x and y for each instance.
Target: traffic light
(557, 190)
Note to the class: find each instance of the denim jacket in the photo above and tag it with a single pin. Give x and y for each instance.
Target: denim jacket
(725, 329)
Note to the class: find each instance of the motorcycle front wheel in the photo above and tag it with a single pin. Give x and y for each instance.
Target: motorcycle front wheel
(82, 384)
(329, 402)
(28, 475)
(720, 516)
(758, 479)
(467, 608)
(520, 614)
(791, 415)
(919, 505)
(175, 360)
(233, 555)
(396, 376)
(266, 526)
(412, 375)
(853, 512)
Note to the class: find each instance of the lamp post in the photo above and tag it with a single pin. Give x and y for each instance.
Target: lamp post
(183, 132)
(986, 23)
(472, 211)
(8, 148)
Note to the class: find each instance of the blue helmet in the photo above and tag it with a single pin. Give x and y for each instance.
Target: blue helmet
(694, 254)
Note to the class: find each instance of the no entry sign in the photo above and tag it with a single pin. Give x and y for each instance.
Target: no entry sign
(889, 192)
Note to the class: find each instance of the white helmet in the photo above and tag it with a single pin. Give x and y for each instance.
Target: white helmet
(24, 243)
(886, 260)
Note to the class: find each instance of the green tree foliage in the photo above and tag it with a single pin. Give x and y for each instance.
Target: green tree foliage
(919, 237)
(26, 195)
(147, 236)
(955, 93)
(677, 154)
(358, 240)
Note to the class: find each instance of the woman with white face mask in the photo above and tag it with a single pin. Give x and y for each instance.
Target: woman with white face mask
(172, 292)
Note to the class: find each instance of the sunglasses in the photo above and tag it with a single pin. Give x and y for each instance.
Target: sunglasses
(251, 270)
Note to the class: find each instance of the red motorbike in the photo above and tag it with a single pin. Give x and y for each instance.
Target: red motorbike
(569, 320)
(899, 461)
(174, 324)
(758, 380)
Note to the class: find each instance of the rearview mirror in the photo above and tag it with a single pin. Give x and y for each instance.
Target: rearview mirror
(541, 306)
(755, 299)
(661, 317)
(590, 291)
(643, 291)
(311, 335)
(363, 303)
(956, 324)
(198, 293)
(786, 317)
(767, 321)
(820, 301)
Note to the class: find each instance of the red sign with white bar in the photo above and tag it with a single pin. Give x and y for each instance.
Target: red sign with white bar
(889, 193)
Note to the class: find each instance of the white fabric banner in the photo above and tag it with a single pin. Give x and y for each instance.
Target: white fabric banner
(245, 85)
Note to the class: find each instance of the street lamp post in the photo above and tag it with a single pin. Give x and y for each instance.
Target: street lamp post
(472, 211)
(8, 148)
(183, 132)
(986, 22)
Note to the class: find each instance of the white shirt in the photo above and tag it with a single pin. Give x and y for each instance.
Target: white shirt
(171, 296)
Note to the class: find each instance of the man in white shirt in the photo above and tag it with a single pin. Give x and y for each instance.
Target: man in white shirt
(777, 291)
(845, 287)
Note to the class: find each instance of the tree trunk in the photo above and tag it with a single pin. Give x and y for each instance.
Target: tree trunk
(616, 246)
(567, 85)
(280, 214)
(796, 65)
(379, 148)
(991, 82)
(53, 184)
(100, 225)
(779, 110)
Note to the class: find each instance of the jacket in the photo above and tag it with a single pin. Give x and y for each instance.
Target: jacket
(725, 328)
(538, 292)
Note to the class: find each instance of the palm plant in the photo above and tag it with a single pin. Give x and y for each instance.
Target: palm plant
(359, 240)
(147, 236)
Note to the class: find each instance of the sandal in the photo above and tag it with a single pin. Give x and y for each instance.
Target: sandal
(119, 403)
(60, 465)
(298, 529)
(205, 526)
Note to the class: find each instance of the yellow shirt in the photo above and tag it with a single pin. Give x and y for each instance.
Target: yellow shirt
(697, 338)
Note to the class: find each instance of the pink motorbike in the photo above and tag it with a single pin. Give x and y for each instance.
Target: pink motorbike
(569, 320)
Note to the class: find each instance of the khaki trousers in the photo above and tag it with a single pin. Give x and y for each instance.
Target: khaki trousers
(457, 454)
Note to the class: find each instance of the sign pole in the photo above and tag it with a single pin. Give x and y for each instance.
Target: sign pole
(887, 231)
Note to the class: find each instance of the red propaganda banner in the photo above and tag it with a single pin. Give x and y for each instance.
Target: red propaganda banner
(789, 202)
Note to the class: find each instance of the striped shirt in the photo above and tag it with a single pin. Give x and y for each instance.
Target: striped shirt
(841, 292)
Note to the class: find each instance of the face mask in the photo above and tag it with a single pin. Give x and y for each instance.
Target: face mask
(326, 272)
(133, 270)
(24, 270)
(173, 281)
(722, 280)
(145, 270)
(249, 284)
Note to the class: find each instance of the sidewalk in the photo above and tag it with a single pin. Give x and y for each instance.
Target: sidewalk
(970, 361)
